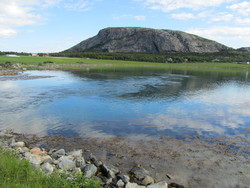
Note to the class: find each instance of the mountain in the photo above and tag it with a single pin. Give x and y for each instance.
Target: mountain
(244, 49)
(136, 39)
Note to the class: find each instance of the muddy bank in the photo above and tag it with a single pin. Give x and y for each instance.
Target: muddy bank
(223, 162)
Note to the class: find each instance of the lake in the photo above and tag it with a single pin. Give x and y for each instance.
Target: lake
(135, 105)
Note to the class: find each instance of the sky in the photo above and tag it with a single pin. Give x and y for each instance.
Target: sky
(56, 25)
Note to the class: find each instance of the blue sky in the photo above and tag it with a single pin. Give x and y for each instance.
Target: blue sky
(55, 25)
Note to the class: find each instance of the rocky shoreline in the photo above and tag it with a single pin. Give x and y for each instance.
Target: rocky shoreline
(58, 160)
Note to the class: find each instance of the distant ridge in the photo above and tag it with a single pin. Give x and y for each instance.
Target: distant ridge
(137, 39)
(244, 49)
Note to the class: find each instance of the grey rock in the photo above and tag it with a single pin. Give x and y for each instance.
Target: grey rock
(108, 172)
(120, 184)
(52, 151)
(76, 170)
(124, 178)
(66, 163)
(89, 170)
(47, 167)
(139, 173)
(133, 185)
(80, 162)
(136, 39)
(35, 162)
(18, 144)
(148, 180)
(4, 135)
(76, 154)
(94, 160)
(161, 184)
(60, 152)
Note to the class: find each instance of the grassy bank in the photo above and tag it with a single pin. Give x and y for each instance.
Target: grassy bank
(15, 173)
(63, 63)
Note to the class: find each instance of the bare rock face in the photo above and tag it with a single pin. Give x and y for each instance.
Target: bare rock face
(136, 39)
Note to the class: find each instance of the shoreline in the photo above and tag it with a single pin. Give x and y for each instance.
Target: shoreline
(190, 164)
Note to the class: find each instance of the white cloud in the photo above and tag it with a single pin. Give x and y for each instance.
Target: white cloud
(244, 21)
(17, 13)
(6, 32)
(140, 18)
(79, 5)
(225, 34)
(223, 16)
(242, 8)
(170, 5)
(128, 16)
(183, 16)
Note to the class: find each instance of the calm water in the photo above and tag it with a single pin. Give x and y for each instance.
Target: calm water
(132, 105)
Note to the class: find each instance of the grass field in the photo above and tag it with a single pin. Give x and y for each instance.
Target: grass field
(15, 173)
(63, 63)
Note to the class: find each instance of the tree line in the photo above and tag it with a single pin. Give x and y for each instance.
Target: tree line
(168, 57)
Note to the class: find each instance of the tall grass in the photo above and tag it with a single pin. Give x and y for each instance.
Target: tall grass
(78, 63)
(16, 173)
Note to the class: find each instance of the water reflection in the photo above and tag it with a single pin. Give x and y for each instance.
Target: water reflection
(127, 104)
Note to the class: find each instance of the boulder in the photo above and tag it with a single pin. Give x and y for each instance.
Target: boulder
(36, 151)
(138, 173)
(18, 144)
(124, 178)
(161, 184)
(89, 170)
(133, 185)
(66, 163)
(76, 154)
(120, 184)
(147, 180)
(47, 167)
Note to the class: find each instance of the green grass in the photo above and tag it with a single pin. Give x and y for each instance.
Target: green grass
(15, 173)
(63, 63)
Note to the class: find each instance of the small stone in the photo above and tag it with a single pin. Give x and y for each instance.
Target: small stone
(36, 151)
(133, 185)
(66, 163)
(89, 170)
(120, 184)
(148, 180)
(47, 167)
(161, 184)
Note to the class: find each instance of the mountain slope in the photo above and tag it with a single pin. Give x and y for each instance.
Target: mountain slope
(136, 39)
